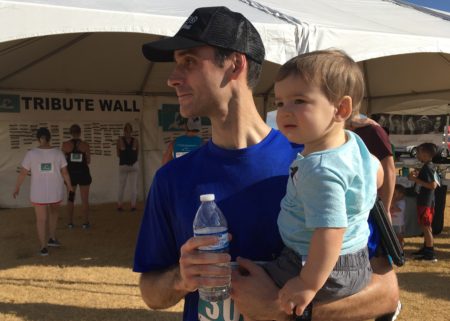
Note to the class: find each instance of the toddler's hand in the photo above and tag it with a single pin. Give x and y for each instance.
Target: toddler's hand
(294, 294)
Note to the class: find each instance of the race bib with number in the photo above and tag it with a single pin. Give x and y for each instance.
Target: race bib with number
(46, 168)
(179, 154)
(218, 311)
(76, 157)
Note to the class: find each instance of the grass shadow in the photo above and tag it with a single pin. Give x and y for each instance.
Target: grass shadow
(431, 282)
(52, 312)
(109, 242)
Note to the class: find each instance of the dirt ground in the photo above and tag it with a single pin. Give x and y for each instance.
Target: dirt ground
(90, 277)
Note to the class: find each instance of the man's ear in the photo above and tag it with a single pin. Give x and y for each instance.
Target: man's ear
(344, 109)
(239, 62)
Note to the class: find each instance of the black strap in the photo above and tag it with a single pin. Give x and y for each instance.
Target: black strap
(389, 240)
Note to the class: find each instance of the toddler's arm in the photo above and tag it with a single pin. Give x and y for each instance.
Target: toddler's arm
(323, 254)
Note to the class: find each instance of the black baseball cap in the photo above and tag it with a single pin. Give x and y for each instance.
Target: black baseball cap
(213, 26)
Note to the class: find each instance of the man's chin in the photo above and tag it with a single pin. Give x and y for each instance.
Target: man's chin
(186, 111)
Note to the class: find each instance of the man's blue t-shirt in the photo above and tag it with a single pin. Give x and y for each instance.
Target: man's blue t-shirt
(248, 185)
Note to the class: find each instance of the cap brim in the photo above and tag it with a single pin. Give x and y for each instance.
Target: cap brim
(162, 50)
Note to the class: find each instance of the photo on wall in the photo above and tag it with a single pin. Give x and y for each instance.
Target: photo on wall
(411, 124)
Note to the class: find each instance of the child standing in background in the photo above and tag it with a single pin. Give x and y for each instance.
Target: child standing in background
(425, 179)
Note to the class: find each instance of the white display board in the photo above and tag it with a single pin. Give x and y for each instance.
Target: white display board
(101, 119)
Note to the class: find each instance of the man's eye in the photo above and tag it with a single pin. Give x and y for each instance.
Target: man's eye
(298, 101)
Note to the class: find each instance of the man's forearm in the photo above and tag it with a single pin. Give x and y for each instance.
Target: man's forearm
(387, 189)
(378, 298)
(161, 289)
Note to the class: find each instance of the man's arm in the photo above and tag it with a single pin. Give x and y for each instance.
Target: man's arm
(378, 298)
(87, 152)
(163, 289)
(255, 295)
(387, 189)
(168, 154)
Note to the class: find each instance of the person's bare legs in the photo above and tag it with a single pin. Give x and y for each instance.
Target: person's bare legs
(71, 206)
(84, 193)
(427, 235)
(53, 219)
(41, 223)
(123, 173)
(133, 180)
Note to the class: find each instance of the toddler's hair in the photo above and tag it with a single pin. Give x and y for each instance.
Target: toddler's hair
(336, 73)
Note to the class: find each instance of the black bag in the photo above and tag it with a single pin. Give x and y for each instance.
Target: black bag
(389, 240)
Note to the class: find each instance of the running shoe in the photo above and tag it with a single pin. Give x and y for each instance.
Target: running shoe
(420, 252)
(53, 243)
(427, 257)
(43, 252)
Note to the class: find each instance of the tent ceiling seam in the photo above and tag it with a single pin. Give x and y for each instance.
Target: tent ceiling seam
(19, 45)
(445, 58)
(414, 93)
(279, 15)
(421, 9)
(272, 12)
(45, 57)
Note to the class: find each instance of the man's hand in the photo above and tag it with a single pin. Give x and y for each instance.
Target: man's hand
(254, 293)
(200, 269)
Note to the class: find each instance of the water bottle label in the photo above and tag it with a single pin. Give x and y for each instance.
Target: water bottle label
(220, 246)
(218, 311)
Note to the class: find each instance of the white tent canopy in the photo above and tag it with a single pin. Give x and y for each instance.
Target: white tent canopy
(86, 39)
(91, 49)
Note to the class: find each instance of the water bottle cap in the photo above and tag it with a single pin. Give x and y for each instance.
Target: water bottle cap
(207, 197)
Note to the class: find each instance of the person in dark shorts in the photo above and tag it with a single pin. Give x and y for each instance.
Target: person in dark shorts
(426, 180)
(78, 158)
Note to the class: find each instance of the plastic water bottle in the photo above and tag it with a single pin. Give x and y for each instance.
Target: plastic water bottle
(209, 220)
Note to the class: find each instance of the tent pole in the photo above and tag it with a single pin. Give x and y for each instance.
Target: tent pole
(266, 102)
(147, 75)
(366, 81)
(141, 149)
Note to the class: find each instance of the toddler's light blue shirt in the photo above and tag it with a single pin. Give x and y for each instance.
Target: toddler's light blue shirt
(334, 188)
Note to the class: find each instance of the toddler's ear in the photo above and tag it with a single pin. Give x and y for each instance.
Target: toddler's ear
(344, 109)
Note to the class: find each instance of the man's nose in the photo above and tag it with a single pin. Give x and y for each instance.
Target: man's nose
(175, 78)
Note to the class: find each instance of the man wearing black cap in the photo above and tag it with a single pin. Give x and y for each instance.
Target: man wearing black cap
(218, 56)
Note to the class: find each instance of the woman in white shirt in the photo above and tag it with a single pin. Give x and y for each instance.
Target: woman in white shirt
(48, 168)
